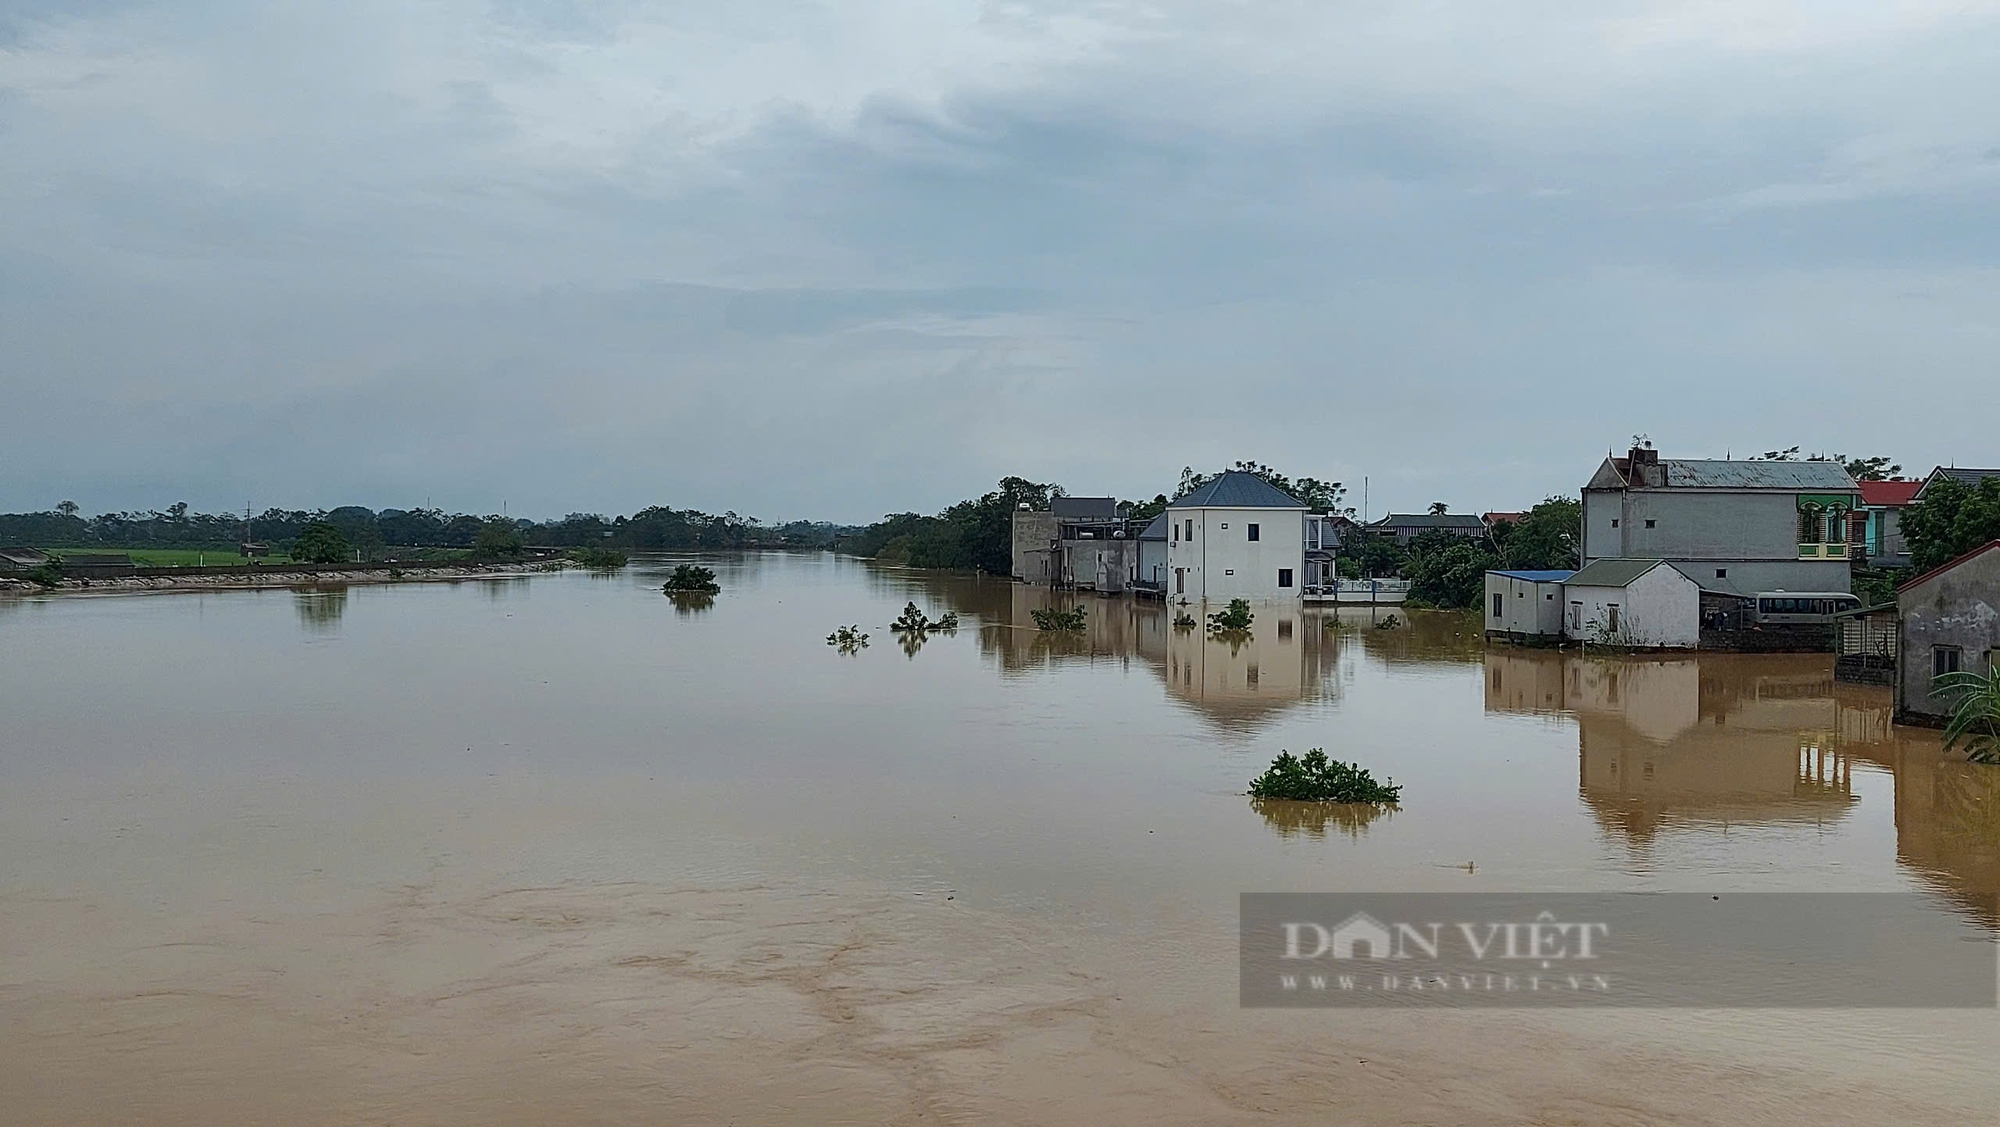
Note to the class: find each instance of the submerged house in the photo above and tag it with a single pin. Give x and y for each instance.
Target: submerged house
(1152, 577)
(21, 559)
(1949, 623)
(1237, 537)
(1733, 527)
(1077, 542)
(1525, 606)
(1632, 603)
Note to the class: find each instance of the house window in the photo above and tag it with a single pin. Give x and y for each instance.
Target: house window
(1611, 617)
(1284, 577)
(1614, 522)
(1175, 527)
(1652, 524)
(1498, 605)
(1229, 571)
(1945, 659)
(1284, 629)
(1253, 532)
(1225, 524)
(1722, 573)
(1189, 535)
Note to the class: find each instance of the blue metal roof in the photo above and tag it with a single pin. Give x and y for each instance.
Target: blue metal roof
(1536, 576)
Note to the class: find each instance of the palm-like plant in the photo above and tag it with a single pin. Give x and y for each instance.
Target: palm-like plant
(1975, 713)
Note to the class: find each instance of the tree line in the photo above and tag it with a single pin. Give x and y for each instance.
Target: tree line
(369, 530)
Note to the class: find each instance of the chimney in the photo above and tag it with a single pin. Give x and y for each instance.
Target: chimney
(1644, 463)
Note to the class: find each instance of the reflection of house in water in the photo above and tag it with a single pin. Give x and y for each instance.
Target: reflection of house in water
(1715, 740)
(1947, 810)
(1285, 657)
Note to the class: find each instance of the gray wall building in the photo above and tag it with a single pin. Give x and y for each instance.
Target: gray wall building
(1950, 619)
(1733, 527)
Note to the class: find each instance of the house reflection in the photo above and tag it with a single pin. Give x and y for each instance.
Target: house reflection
(1712, 741)
(1715, 740)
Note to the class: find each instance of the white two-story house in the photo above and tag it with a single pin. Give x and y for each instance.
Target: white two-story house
(1238, 537)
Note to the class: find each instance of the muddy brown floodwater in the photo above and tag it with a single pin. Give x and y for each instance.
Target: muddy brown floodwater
(559, 850)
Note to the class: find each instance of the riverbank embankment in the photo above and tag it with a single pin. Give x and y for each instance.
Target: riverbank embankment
(285, 575)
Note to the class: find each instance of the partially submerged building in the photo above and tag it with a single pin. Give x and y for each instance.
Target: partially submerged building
(1237, 537)
(1741, 527)
(1949, 623)
(1525, 606)
(1633, 604)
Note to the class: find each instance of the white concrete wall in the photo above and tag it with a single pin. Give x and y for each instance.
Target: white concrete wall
(1526, 607)
(1221, 562)
(1660, 608)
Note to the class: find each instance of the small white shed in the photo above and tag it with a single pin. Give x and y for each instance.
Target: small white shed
(1632, 603)
(1525, 606)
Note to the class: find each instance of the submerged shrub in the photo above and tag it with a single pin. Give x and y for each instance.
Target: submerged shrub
(691, 579)
(1237, 617)
(47, 574)
(914, 621)
(1315, 778)
(848, 639)
(1058, 619)
(606, 558)
(1184, 621)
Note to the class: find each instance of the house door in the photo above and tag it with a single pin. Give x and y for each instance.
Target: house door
(1576, 618)
(1180, 581)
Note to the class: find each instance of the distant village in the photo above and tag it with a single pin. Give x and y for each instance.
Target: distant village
(1669, 554)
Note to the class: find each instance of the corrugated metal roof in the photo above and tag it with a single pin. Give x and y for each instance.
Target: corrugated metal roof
(1709, 473)
(1536, 576)
(1612, 572)
(1084, 508)
(1429, 520)
(1238, 490)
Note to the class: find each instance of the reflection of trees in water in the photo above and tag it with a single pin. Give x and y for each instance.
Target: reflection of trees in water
(1448, 637)
(1291, 819)
(504, 587)
(689, 603)
(320, 609)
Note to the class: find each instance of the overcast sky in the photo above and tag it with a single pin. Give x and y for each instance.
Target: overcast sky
(833, 260)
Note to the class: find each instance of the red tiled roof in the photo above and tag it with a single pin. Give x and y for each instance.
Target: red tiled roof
(1489, 518)
(1889, 494)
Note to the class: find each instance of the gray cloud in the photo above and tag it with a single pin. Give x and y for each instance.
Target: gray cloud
(801, 259)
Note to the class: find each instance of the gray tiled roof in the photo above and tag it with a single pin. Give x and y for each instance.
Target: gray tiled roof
(1710, 473)
(1238, 490)
(1963, 476)
(1430, 520)
(1157, 530)
(1084, 508)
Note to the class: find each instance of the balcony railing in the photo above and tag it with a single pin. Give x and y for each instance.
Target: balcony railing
(1833, 551)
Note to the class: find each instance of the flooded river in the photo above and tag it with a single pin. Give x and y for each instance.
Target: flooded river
(559, 850)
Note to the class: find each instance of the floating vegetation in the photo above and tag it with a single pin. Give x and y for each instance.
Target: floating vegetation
(1315, 778)
(848, 639)
(605, 559)
(1059, 620)
(1184, 621)
(1233, 620)
(690, 579)
(914, 621)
